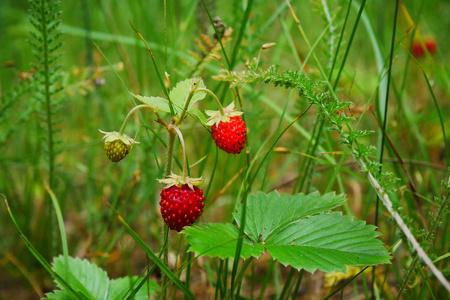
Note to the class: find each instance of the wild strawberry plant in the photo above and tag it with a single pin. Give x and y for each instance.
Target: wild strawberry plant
(304, 231)
(297, 230)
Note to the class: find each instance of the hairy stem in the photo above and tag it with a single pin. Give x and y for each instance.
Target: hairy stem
(48, 105)
(219, 105)
(130, 113)
(165, 233)
(388, 204)
(442, 209)
(192, 92)
(180, 136)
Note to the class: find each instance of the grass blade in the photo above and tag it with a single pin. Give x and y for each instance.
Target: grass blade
(165, 269)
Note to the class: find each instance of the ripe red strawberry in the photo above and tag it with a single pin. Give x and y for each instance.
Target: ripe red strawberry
(228, 129)
(181, 206)
(181, 201)
(230, 136)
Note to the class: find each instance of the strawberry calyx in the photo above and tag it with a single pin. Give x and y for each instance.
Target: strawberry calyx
(114, 136)
(215, 117)
(179, 181)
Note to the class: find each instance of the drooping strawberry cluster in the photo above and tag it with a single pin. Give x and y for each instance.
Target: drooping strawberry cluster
(181, 201)
(228, 129)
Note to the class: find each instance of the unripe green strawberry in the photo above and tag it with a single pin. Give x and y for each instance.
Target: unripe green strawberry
(228, 129)
(181, 201)
(117, 150)
(117, 145)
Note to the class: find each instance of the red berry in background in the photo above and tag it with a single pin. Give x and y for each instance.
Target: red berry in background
(181, 206)
(418, 51)
(230, 136)
(228, 129)
(431, 46)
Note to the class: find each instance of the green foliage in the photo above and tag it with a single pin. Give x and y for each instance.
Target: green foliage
(328, 107)
(310, 153)
(7, 103)
(93, 283)
(296, 231)
(328, 11)
(220, 240)
(273, 211)
(45, 20)
(178, 95)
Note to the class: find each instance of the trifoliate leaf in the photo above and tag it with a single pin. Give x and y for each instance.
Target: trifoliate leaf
(296, 232)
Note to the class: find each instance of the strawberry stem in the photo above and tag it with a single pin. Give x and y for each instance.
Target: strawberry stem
(127, 118)
(192, 92)
(180, 136)
(219, 105)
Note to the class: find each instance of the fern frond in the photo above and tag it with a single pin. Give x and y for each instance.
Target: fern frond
(45, 20)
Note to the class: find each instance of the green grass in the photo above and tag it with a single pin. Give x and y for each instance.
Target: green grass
(300, 156)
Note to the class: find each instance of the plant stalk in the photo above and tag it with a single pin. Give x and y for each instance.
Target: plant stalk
(51, 154)
(239, 276)
(127, 118)
(219, 105)
(180, 136)
(165, 233)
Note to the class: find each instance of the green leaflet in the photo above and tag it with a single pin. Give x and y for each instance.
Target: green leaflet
(328, 242)
(93, 282)
(219, 240)
(178, 95)
(269, 212)
(158, 103)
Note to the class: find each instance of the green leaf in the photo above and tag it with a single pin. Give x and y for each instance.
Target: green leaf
(91, 281)
(219, 240)
(119, 288)
(179, 94)
(59, 295)
(328, 242)
(200, 116)
(82, 276)
(155, 102)
(295, 231)
(269, 212)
